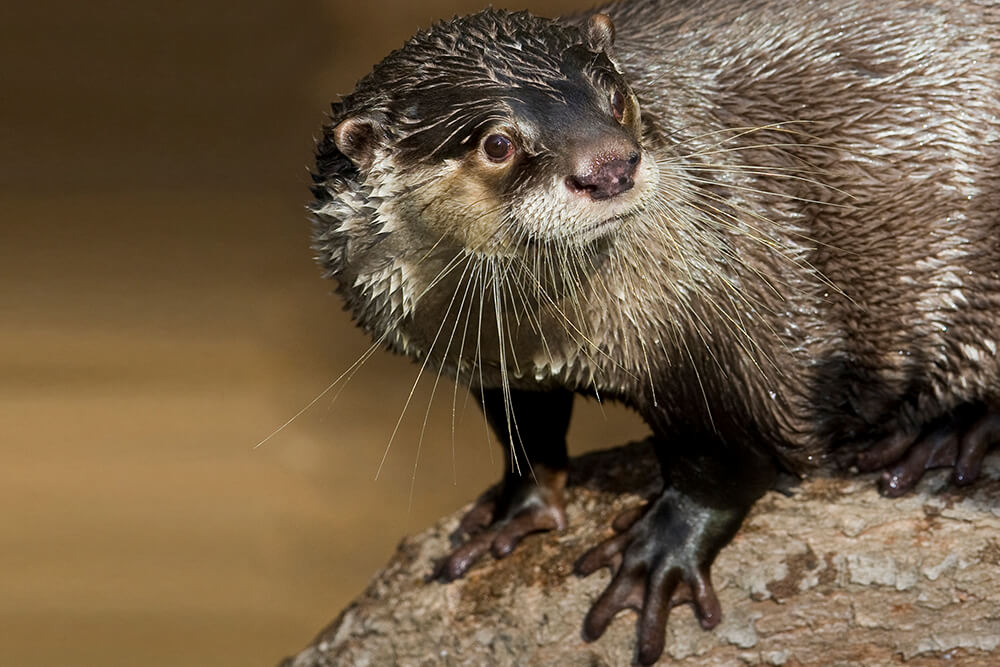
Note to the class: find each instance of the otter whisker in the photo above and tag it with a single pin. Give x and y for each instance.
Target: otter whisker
(740, 131)
(743, 188)
(760, 238)
(345, 375)
(469, 283)
(778, 173)
(427, 357)
(481, 268)
(747, 342)
(509, 416)
(363, 358)
(701, 328)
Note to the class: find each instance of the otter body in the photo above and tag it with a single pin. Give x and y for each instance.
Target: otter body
(772, 228)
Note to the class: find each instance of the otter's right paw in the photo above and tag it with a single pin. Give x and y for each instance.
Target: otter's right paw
(499, 520)
(659, 561)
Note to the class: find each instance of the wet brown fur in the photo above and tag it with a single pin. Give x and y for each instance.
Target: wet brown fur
(822, 269)
(893, 326)
(790, 250)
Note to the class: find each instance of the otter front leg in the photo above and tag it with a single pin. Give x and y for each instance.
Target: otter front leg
(663, 552)
(532, 429)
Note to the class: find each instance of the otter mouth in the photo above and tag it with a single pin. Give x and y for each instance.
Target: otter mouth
(606, 227)
(600, 229)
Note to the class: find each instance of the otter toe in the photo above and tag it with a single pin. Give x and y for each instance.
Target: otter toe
(660, 559)
(972, 448)
(959, 441)
(498, 527)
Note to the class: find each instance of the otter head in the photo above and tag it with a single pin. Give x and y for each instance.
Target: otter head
(489, 135)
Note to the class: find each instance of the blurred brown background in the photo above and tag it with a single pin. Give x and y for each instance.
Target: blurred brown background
(160, 313)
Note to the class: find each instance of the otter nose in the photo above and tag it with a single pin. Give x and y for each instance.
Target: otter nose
(607, 178)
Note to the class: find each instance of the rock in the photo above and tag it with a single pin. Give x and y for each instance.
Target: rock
(833, 574)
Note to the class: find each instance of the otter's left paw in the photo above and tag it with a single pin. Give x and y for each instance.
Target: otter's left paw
(959, 441)
(660, 559)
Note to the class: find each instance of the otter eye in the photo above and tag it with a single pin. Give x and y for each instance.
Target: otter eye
(498, 147)
(618, 105)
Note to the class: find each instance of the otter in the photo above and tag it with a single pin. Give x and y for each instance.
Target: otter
(770, 228)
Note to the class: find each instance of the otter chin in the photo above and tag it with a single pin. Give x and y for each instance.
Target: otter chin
(772, 229)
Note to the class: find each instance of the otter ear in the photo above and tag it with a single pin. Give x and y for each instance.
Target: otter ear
(600, 33)
(356, 138)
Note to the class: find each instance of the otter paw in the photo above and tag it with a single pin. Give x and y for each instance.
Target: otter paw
(659, 561)
(959, 441)
(499, 520)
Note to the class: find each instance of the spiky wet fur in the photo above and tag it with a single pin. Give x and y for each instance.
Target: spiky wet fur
(816, 261)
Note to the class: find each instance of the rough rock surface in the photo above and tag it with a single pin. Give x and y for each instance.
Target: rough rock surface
(833, 574)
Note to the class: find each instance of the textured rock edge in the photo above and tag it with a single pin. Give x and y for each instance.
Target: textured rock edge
(831, 574)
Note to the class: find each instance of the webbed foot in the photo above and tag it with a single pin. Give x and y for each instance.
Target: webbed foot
(959, 441)
(501, 518)
(660, 558)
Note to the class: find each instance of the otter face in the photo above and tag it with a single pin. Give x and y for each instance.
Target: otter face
(495, 133)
